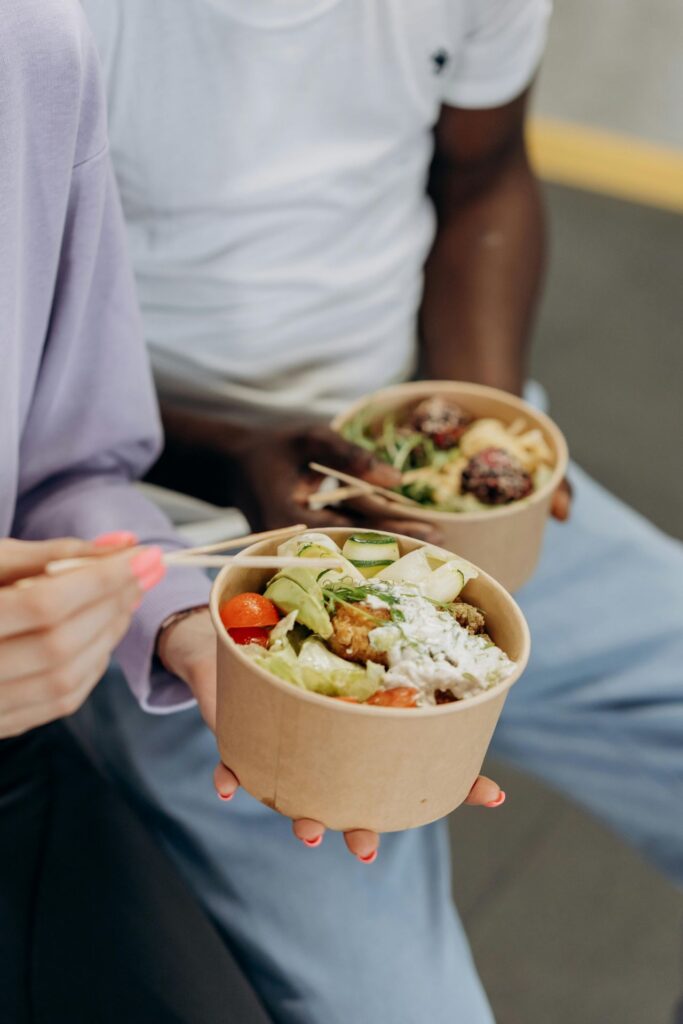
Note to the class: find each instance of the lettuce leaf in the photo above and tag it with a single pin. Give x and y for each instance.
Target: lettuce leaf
(317, 669)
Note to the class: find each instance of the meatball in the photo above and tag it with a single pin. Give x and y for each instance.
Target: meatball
(496, 478)
(352, 624)
(471, 618)
(440, 419)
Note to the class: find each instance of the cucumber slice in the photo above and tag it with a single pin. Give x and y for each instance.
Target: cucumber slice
(445, 583)
(371, 552)
(412, 568)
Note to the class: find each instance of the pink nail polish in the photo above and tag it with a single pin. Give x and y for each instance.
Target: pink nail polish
(225, 797)
(370, 859)
(145, 561)
(313, 842)
(500, 799)
(115, 539)
(153, 577)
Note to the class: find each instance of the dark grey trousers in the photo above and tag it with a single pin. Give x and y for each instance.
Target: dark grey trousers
(96, 926)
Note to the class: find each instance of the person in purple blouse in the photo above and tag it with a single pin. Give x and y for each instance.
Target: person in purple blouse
(79, 424)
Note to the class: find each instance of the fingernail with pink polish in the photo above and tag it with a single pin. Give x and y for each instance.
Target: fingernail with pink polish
(146, 563)
(370, 859)
(152, 578)
(313, 842)
(225, 797)
(115, 539)
(500, 799)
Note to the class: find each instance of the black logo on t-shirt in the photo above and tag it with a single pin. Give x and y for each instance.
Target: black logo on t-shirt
(440, 61)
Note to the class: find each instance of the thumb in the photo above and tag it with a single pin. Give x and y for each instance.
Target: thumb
(562, 502)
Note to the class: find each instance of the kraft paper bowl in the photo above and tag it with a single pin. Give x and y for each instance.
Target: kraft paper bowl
(506, 540)
(353, 766)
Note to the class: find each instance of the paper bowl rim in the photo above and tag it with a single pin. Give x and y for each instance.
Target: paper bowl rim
(410, 388)
(342, 707)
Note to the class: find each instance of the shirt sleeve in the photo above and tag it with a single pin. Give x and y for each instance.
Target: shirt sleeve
(503, 46)
(92, 427)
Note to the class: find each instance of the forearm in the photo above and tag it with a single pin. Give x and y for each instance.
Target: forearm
(483, 275)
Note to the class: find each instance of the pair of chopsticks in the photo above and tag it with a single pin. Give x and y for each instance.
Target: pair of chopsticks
(206, 555)
(355, 488)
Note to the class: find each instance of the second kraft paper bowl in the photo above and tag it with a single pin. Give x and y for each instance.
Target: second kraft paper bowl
(355, 766)
(505, 541)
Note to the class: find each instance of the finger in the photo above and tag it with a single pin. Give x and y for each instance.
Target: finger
(321, 444)
(23, 559)
(485, 793)
(362, 844)
(30, 702)
(32, 716)
(225, 782)
(115, 539)
(31, 653)
(308, 831)
(562, 502)
(424, 531)
(297, 506)
(20, 559)
(51, 600)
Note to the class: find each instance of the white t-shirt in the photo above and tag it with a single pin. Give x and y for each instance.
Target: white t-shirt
(272, 157)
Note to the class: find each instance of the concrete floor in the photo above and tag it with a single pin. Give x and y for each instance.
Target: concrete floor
(608, 346)
(568, 926)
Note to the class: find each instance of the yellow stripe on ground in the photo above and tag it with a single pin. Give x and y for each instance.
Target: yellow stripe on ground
(616, 165)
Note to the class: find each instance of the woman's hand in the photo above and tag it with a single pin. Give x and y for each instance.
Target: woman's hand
(188, 649)
(360, 842)
(57, 633)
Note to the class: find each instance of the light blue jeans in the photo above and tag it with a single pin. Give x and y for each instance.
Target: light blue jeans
(599, 714)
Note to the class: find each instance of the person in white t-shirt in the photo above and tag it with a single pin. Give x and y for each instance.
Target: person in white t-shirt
(321, 194)
(272, 158)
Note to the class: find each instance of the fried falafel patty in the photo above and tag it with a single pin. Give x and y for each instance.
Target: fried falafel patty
(352, 624)
(471, 618)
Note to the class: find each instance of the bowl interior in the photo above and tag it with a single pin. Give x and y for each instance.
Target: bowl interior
(505, 623)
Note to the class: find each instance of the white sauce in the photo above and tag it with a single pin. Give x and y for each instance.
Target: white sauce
(428, 650)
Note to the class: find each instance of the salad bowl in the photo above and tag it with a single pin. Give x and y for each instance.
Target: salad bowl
(505, 540)
(351, 765)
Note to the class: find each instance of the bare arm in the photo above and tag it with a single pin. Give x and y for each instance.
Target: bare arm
(484, 272)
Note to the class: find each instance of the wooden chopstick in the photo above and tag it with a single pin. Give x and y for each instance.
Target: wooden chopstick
(186, 554)
(363, 485)
(321, 499)
(235, 542)
(259, 562)
(212, 562)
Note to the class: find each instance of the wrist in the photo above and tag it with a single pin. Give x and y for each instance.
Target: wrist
(167, 629)
(506, 372)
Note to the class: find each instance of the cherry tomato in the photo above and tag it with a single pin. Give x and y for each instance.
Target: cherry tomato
(251, 635)
(245, 610)
(398, 697)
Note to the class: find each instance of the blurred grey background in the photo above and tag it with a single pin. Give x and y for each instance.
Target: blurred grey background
(568, 926)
